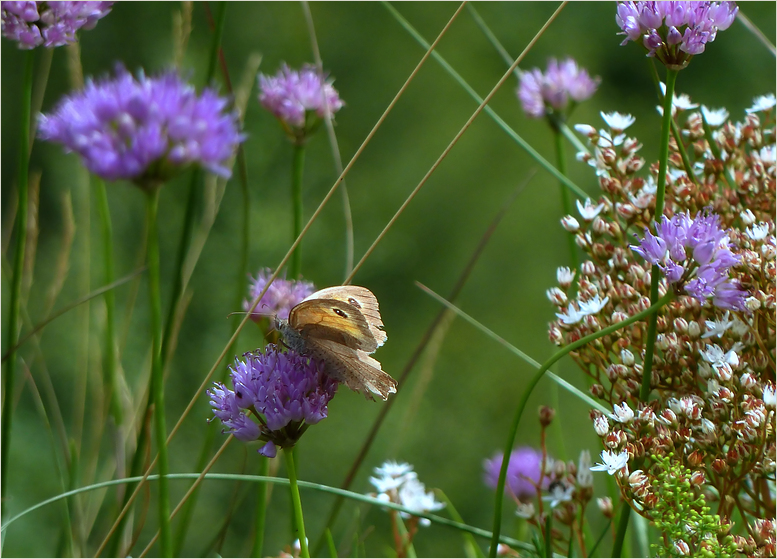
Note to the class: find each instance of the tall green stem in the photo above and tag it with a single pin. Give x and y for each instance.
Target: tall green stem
(297, 167)
(18, 271)
(525, 398)
(157, 377)
(261, 508)
(566, 199)
(111, 385)
(663, 160)
(620, 536)
(299, 521)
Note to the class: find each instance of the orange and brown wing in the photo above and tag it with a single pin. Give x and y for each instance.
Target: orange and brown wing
(361, 298)
(337, 321)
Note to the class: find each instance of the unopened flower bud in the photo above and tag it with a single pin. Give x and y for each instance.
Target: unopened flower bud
(570, 223)
(564, 276)
(769, 398)
(546, 415)
(695, 458)
(601, 425)
(747, 217)
(556, 296)
(694, 330)
(681, 548)
(600, 226)
(752, 304)
(605, 505)
(627, 358)
(747, 381)
(680, 325)
(588, 268)
(596, 390)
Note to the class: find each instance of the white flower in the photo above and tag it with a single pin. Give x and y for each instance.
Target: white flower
(768, 154)
(570, 223)
(559, 492)
(564, 276)
(392, 476)
(627, 357)
(601, 425)
(612, 462)
(623, 413)
(683, 102)
(748, 218)
(719, 360)
(589, 211)
(584, 476)
(593, 306)
(389, 468)
(714, 117)
(572, 316)
(758, 232)
(717, 327)
(707, 426)
(769, 396)
(618, 121)
(525, 510)
(413, 496)
(585, 129)
(763, 103)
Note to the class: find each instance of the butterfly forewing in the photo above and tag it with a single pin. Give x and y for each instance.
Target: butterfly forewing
(361, 298)
(334, 320)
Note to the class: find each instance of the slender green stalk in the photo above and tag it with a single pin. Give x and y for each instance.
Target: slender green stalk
(299, 521)
(297, 167)
(261, 508)
(157, 376)
(111, 386)
(18, 270)
(525, 398)
(663, 159)
(620, 536)
(566, 199)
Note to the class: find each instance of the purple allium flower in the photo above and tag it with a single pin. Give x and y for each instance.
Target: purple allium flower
(145, 129)
(552, 91)
(299, 99)
(695, 252)
(674, 31)
(51, 24)
(280, 298)
(286, 391)
(523, 472)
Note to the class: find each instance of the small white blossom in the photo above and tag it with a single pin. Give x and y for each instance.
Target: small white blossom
(413, 495)
(717, 327)
(559, 492)
(714, 117)
(525, 510)
(752, 303)
(564, 276)
(623, 413)
(707, 426)
(572, 316)
(585, 129)
(593, 306)
(627, 357)
(570, 223)
(719, 360)
(617, 121)
(768, 154)
(763, 103)
(589, 211)
(758, 232)
(601, 425)
(769, 396)
(612, 462)
(748, 218)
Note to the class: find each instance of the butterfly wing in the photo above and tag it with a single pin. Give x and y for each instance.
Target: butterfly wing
(361, 298)
(333, 320)
(354, 367)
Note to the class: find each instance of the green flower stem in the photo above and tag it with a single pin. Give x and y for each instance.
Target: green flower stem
(620, 536)
(525, 398)
(299, 521)
(566, 199)
(157, 378)
(655, 276)
(261, 508)
(18, 270)
(297, 167)
(111, 384)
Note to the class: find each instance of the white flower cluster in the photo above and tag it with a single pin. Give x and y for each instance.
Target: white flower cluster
(398, 483)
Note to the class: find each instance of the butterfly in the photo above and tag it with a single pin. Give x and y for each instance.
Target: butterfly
(341, 326)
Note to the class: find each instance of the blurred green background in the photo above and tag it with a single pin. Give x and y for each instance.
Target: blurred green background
(462, 415)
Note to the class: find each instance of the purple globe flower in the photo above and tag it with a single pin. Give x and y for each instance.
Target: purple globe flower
(51, 24)
(299, 99)
(280, 298)
(285, 391)
(695, 253)
(674, 32)
(563, 82)
(523, 472)
(145, 130)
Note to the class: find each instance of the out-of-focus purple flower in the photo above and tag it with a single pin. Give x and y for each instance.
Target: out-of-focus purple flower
(523, 472)
(280, 298)
(286, 391)
(146, 129)
(51, 24)
(696, 253)
(674, 32)
(299, 99)
(552, 91)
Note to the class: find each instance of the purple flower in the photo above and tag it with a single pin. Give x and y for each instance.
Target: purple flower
(285, 391)
(523, 472)
(299, 99)
(563, 81)
(674, 32)
(51, 24)
(279, 299)
(145, 129)
(706, 272)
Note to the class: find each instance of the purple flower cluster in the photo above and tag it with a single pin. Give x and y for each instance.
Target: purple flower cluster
(279, 299)
(299, 98)
(674, 31)
(285, 391)
(145, 129)
(706, 273)
(51, 24)
(523, 472)
(552, 91)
